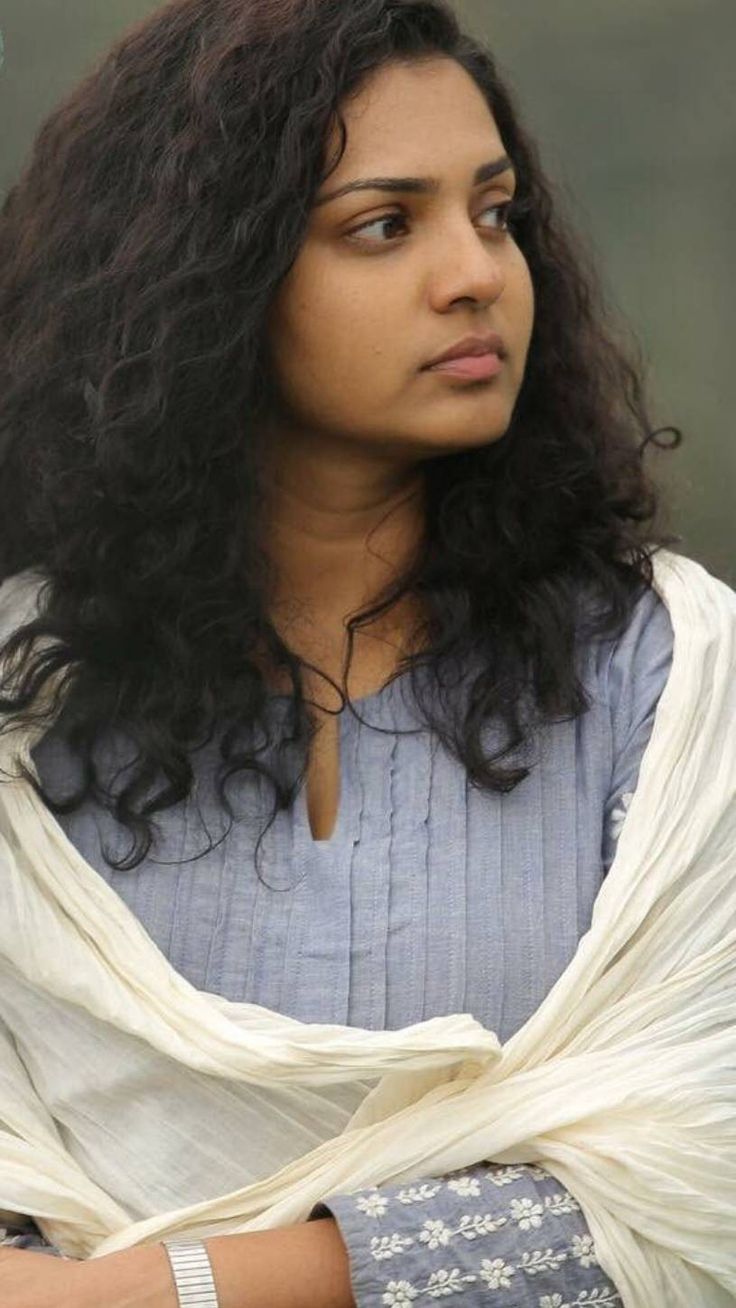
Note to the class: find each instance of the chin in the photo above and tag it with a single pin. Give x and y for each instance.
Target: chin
(468, 435)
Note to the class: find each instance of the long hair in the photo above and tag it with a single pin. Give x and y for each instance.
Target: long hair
(163, 202)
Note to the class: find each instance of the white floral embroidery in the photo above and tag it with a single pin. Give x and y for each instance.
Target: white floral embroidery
(505, 1175)
(434, 1233)
(600, 1296)
(398, 1294)
(467, 1186)
(440, 1284)
(475, 1224)
(416, 1194)
(535, 1261)
(443, 1282)
(496, 1273)
(559, 1204)
(583, 1248)
(372, 1204)
(526, 1213)
(385, 1246)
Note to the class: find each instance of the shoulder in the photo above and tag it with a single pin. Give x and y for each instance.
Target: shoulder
(636, 665)
(626, 674)
(687, 607)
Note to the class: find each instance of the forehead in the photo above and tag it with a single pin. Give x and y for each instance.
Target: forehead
(412, 113)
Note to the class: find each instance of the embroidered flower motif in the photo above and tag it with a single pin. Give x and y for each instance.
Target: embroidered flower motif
(526, 1213)
(398, 1294)
(602, 1297)
(466, 1186)
(385, 1246)
(443, 1282)
(505, 1175)
(475, 1224)
(541, 1260)
(558, 1204)
(434, 1233)
(496, 1273)
(372, 1203)
(416, 1194)
(583, 1248)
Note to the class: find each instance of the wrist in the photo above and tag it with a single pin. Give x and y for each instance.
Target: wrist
(134, 1278)
(298, 1266)
(193, 1273)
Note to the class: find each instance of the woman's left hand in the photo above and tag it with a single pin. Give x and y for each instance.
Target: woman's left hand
(135, 1278)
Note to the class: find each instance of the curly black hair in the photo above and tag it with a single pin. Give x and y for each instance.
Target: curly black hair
(164, 201)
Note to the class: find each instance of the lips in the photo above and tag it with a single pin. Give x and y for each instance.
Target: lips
(471, 347)
(480, 367)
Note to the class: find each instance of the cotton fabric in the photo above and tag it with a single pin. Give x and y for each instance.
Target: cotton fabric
(580, 1060)
(510, 1236)
(431, 897)
(204, 914)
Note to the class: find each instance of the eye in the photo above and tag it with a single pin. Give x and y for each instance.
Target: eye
(390, 219)
(504, 210)
(384, 221)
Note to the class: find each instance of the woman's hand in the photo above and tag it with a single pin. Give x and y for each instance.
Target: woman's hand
(134, 1278)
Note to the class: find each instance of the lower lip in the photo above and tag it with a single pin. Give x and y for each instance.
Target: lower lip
(471, 368)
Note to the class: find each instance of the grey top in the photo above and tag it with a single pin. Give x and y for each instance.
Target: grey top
(431, 897)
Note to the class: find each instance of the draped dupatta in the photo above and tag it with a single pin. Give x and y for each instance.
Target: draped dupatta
(622, 1083)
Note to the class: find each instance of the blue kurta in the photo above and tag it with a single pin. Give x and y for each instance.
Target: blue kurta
(431, 897)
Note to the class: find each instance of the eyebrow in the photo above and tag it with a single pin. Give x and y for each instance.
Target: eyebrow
(416, 185)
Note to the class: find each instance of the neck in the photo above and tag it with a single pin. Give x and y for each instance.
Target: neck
(340, 524)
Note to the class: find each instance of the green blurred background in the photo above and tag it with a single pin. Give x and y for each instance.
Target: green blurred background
(633, 103)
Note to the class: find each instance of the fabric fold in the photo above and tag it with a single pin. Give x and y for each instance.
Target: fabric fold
(622, 1083)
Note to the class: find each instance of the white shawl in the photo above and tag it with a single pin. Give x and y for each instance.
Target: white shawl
(133, 1106)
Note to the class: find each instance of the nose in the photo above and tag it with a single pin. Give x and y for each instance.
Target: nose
(465, 267)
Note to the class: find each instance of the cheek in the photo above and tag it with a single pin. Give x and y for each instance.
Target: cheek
(526, 296)
(520, 317)
(328, 340)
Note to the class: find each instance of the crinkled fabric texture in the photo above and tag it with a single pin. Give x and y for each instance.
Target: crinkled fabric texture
(594, 765)
(684, 757)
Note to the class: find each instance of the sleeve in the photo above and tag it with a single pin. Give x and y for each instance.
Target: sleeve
(637, 671)
(514, 1231)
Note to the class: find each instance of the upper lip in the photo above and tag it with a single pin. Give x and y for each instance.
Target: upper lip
(472, 346)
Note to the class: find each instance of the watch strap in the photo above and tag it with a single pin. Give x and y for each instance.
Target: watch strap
(192, 1269)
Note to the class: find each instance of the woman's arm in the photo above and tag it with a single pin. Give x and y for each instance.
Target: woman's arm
(302, 1266)
(506, 1235)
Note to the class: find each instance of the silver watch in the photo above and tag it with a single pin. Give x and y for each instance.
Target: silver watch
(190, 1263)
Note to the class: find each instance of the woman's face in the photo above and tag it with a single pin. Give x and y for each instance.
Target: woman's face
(387, 280)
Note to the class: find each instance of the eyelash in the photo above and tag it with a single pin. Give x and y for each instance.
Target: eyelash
(507, 209)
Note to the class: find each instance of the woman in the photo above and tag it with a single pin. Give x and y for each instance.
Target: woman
(259, 493)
